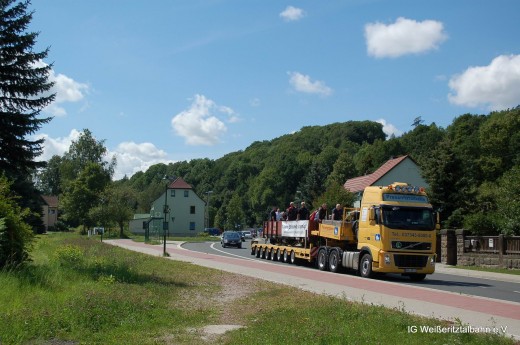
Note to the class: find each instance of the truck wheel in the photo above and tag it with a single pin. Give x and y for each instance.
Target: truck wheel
(322, 260)
(262, 253)
(279, 255)
(417, 277)
(253, 252)
(285, 256)
(365, 267)
(293, 257)
(334, 262)
(268, 254)
(257, 251)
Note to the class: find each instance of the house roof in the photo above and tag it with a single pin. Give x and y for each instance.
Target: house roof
(179, 183)
(50, 200)
(358, 184)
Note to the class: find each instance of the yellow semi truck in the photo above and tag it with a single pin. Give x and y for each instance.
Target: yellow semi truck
(393, 231)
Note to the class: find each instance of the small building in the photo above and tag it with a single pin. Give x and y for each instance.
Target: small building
(184, 211)
(50, 211)
(400, 169)
(137, 225)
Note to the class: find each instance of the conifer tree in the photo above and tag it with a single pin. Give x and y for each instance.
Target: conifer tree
(24, 91)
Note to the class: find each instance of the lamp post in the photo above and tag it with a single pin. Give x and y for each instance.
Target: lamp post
(166, 210)
(208, 193)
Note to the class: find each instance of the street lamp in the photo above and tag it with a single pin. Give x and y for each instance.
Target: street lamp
(208, 193)
(166, 210)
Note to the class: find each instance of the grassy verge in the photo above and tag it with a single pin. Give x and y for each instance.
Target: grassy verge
(490, 269)
(82, 291)
(140, 238)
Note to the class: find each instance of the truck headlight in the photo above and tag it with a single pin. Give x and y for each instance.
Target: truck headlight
(432, 260)
(387, 259)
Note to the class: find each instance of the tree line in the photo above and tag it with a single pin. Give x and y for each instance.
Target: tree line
(472, 166)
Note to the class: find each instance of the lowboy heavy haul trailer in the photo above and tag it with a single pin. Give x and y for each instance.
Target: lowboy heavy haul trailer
(393, 231)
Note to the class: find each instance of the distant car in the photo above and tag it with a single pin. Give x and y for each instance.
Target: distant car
(231, 238)
(247, 234)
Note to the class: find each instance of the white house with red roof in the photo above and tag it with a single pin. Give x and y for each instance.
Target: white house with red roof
(400, 169)
(184, 214)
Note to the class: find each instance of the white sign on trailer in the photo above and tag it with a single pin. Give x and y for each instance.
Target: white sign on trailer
(297, 228)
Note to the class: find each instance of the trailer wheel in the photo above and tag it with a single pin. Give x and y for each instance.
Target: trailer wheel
(262, 253)
(267, 254)
(279, 255)
(334, 261)
(285, 256)
(257, 251)
(293, 257)
(274, 254)
(417, 277)
(322, 260)
(365, 267)
(253, 251)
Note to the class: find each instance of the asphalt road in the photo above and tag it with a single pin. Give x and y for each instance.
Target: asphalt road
(489, 288)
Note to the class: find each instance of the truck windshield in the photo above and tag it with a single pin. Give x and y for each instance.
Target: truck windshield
(408, 218)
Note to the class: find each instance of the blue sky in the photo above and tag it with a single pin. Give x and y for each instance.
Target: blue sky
(167, 80)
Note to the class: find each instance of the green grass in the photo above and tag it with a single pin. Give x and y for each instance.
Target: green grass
(491, 269)
(200, 238)
(81, 291)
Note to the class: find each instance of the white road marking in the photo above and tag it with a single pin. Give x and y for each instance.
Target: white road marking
(238, 256)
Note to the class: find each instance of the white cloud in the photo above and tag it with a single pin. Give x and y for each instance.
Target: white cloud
(496, 85)
(66, 89)
(198, 124)
(405, 36)
(389, 129)
(56, 146)
(303, 83)
(132, 158)
(291, 14)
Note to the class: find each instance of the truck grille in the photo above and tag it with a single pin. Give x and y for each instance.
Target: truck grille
(411, 245)
(410, 260)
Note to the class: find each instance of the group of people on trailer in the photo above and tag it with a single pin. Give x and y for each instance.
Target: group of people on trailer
(302, 213)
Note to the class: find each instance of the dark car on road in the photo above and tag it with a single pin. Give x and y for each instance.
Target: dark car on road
(231, 238)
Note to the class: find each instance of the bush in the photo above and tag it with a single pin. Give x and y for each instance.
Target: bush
(15, 235)
(482, 224)
(69, 256)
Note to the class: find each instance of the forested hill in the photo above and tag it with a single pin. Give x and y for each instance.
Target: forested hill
(466, 165)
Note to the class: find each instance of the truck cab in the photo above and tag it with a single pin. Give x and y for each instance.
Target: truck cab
(397, 231)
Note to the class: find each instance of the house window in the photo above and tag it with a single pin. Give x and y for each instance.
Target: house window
(186, 193)
(192, 225)
(172, 192)
(192, 209)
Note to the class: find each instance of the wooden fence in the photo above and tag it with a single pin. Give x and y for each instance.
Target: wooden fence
(492, 245)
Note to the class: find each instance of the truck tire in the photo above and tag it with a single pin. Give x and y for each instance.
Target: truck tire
(322, 260)
(417, 277)
(257, 251)
(292, 258)
(262, 253)
(365, 266)
(279, 255)
(253, 252)
(285, 256)
(267, 254)
(334, 261)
